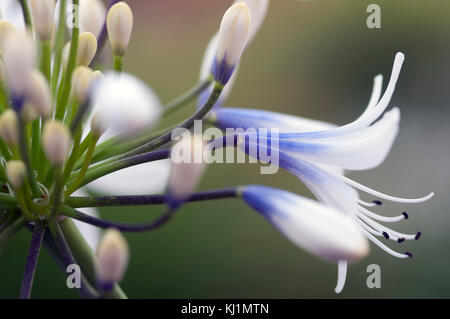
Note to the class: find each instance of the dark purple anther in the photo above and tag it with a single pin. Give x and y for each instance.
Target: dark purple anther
(406, 215)
(400, 240)
(377, 202)
(386, 235)
(418, 235)
(408, 254)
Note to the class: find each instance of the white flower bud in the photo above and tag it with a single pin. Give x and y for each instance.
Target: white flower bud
(42, 12)
(233, 36)
(258, 10)
(20, 60)
(28, 113)
(16, 173)
(92, 16)
(56, 141)
(9, 127)
(39, 95)
(119, 23)
(6, 28)
(125, 103)
(87, 47)
(98, 125)
(82, 80)
(113, 256)
(188, 166)
(65, 55)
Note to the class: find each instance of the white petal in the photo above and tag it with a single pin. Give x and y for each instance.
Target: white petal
(90, 233)
(314, 227)
(258, 9)
(92, 16)
(12, 11)
(126, 103)
(363, 149)
(144, 179)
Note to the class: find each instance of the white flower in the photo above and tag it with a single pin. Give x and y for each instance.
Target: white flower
(12, 12)
(320, 157)
(119, 23)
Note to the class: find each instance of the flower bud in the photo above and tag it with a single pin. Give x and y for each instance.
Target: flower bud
(92, 16)
(9, 127)
(16, 173)
(87, 47)
(119, 24)
(20, 60)
(65, 55)
(39, 95)
(6, 28)
(233, 36)
(113, 256)
(56, 142)
(82, 79)
(28, 113)
(42, 12)
(98, 125)
(258, 10)
(188, 166)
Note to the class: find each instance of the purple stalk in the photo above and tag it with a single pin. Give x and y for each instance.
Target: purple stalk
(67, 257)
(32, 259)
(137, 200)
(111, 201)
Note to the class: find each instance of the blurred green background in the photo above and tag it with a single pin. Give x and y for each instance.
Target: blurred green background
(314, 59)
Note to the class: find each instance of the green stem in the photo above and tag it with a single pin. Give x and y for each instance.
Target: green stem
(123, 161)
(35, 143)
(26, 13)
(9, 231)
(84, 255)
(73, 156)
(64, 92)
(80, 175)
(57, 191)
(118, 63)
(59, 44)
(25, 157)
(188, 97)
(45, 64)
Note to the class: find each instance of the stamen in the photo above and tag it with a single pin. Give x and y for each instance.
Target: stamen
(381, 218)
(378, 202)
(418, 235)
(381, 195)
(384, 247)
(366, 203)
(386, 235)
(368, 228)
(406, 215)
(401, 240)
(408, 254)
(394, 234)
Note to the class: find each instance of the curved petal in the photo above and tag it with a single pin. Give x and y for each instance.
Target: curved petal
(249, 118)
(90, 233)
(125, 103)
(144, 179)
(317, 228)
(364, 149)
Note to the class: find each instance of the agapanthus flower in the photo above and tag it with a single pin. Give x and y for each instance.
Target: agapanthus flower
(318, 154)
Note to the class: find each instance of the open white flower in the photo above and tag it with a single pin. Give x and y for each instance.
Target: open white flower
(319, 158)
